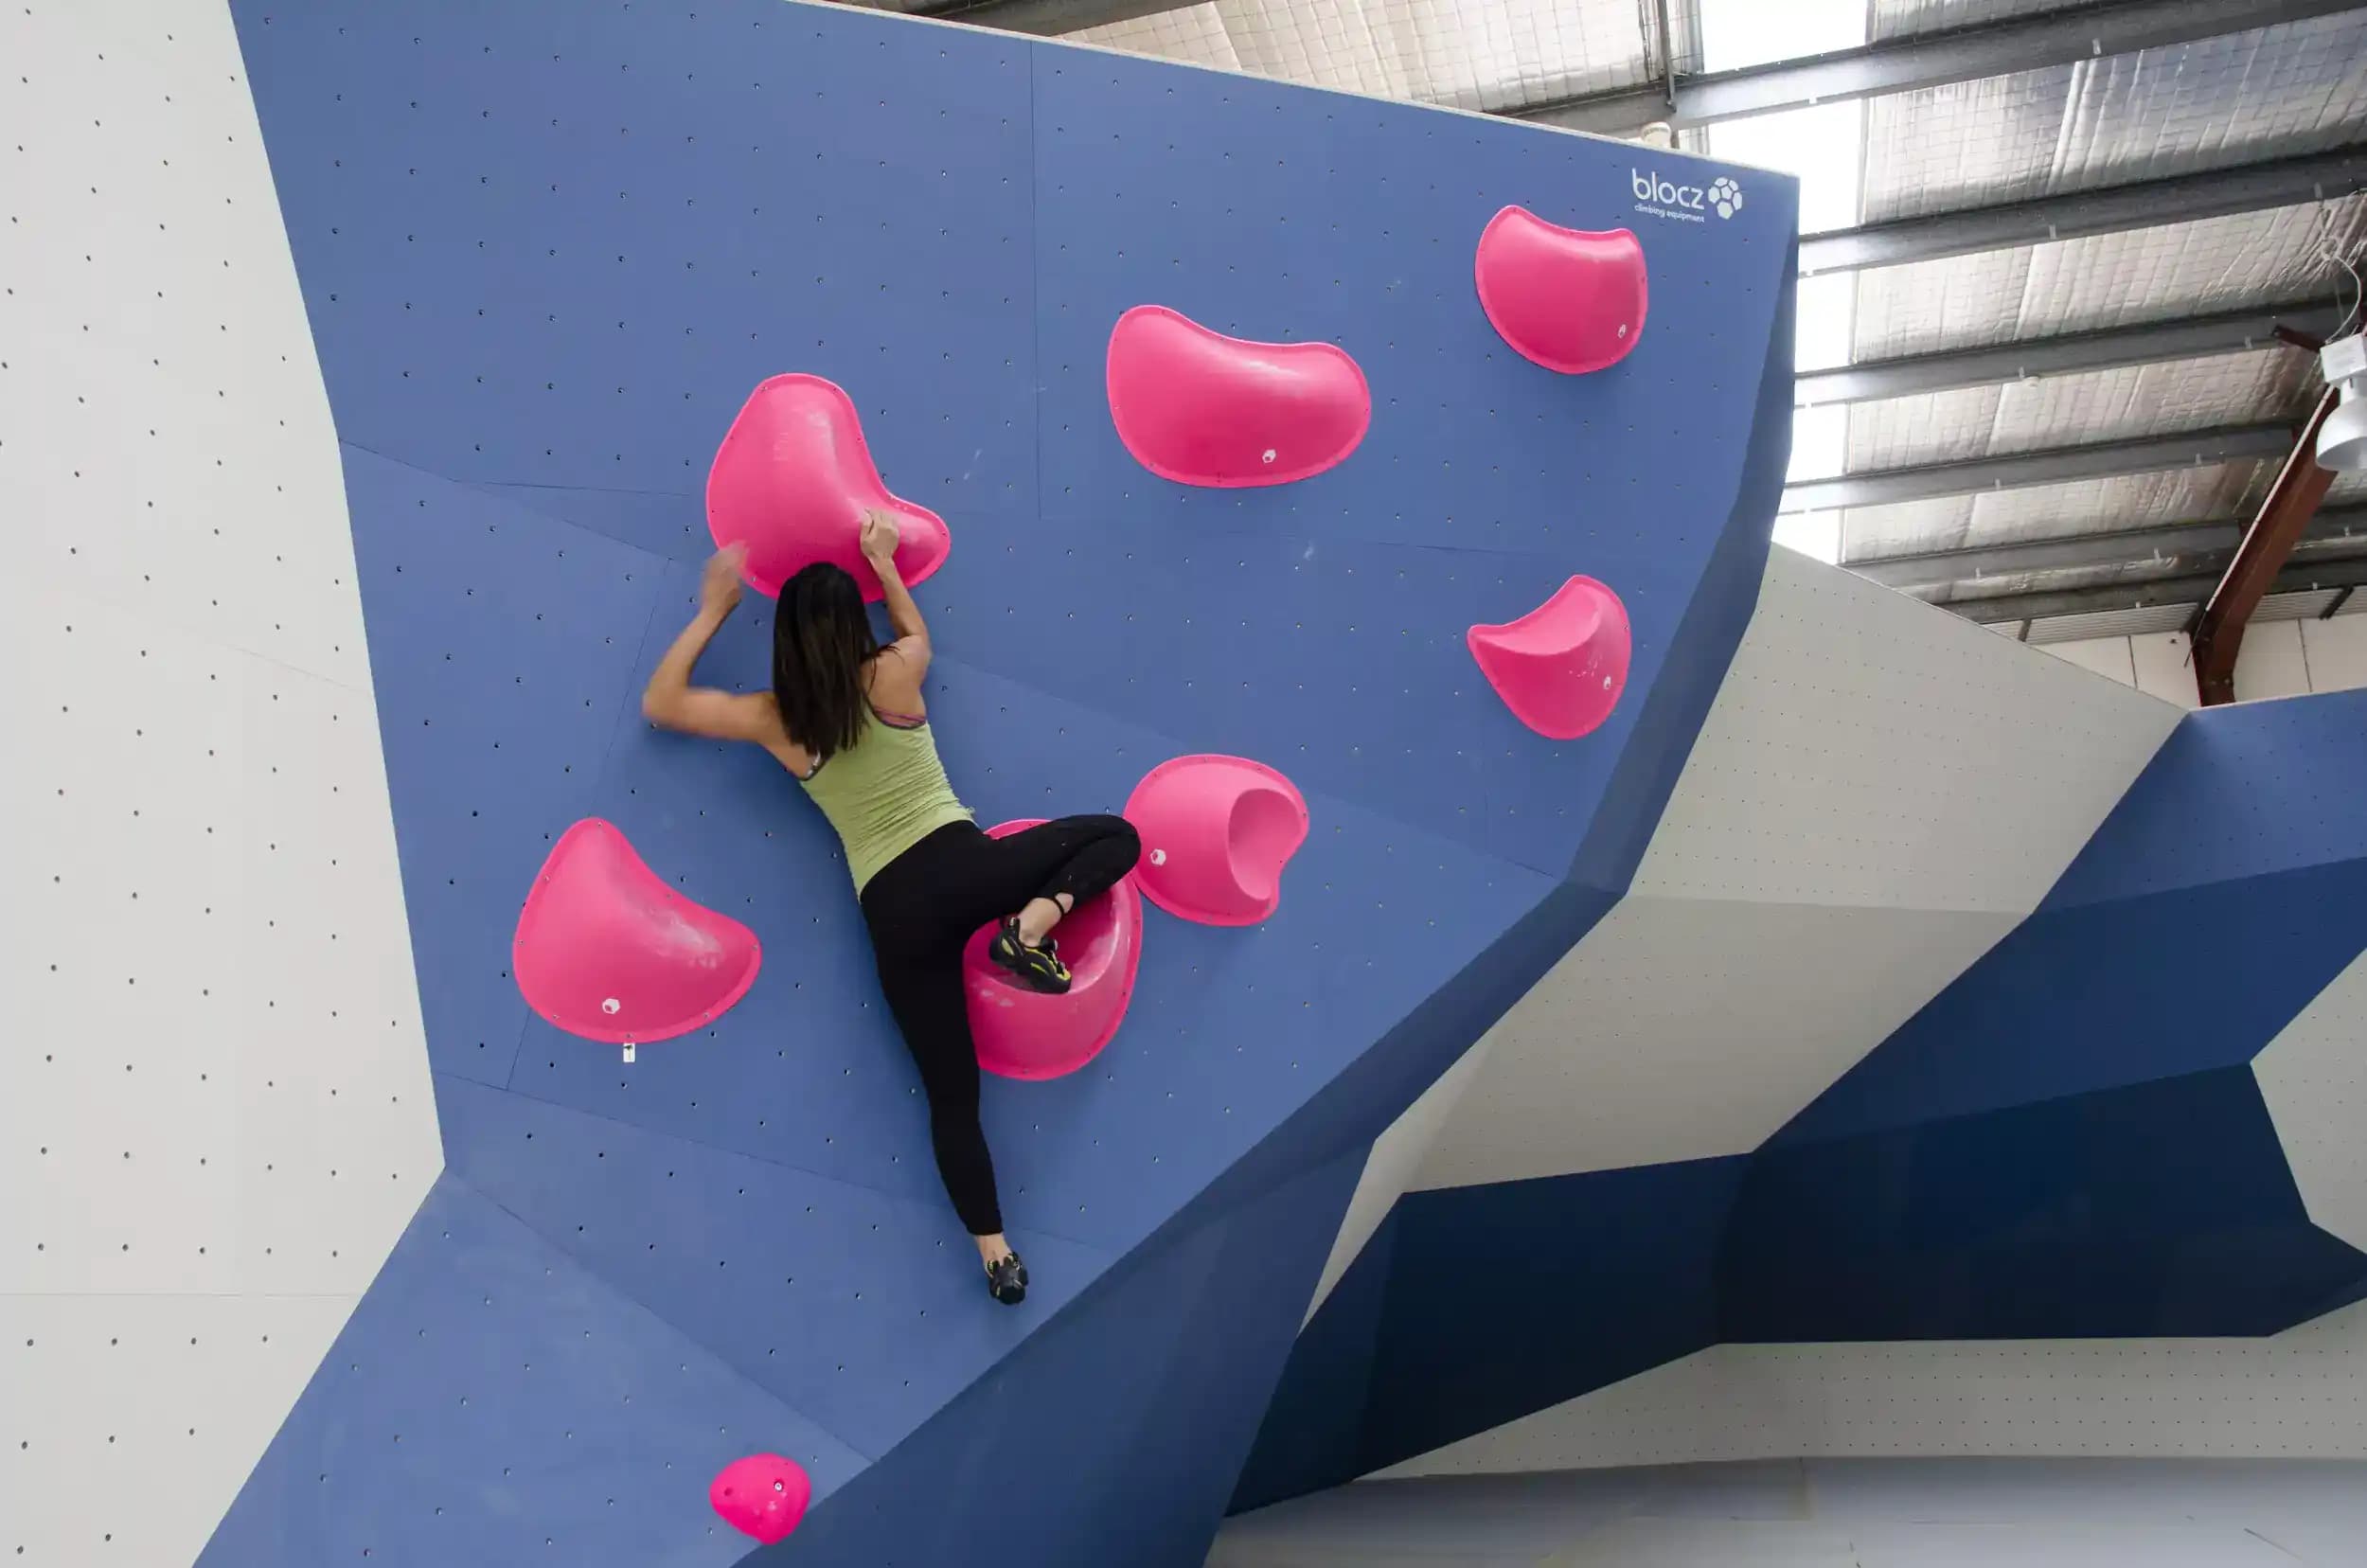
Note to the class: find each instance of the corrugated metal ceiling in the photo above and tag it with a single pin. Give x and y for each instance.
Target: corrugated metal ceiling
(2106, 280)
(2279, 91)
(2154, 619)
(2050, 511)
(2098, 406)
(1902, 18)
(1472, 54)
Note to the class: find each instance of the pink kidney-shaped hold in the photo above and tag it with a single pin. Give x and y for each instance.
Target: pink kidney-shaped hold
(1561, 667)
(1217, 832)
(1573, 300)
(1201, 408)
(793, 480)
(605, 950)
(1028, 1034)
(763, 1495)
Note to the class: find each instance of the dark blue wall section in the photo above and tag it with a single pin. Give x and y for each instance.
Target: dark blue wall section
(2225, 890)
(1487, 1302)
(547, 251)
(2165, 1207)
(490, 1401)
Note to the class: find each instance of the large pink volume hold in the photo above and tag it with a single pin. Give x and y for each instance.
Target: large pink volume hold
(1201, 408)
(607, 951)
(1561, 667)
(1217, 832)
(1573, 300)
(1020, 1033)
(763, 1495)
(793, 481)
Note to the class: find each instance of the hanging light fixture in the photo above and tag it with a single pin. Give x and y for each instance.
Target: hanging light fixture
(2343, 439)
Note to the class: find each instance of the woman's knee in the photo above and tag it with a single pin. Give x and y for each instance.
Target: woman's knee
(1123, 834)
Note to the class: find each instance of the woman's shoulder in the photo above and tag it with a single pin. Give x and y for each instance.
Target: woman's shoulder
(892, 685)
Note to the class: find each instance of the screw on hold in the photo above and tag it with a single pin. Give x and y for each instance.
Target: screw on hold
(610, 1005)
(1623, 329)
(1158, 857)
(1268, 455)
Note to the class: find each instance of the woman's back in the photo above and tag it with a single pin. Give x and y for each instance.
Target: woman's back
(884, 793)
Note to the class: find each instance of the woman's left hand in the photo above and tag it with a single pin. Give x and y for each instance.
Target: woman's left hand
(719, 588)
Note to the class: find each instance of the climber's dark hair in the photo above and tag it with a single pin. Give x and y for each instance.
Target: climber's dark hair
(822, 639)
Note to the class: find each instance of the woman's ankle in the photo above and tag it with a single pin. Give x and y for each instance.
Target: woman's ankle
(1037, 918)
(992, 1248)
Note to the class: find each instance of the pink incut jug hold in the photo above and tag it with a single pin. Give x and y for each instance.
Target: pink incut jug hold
(1201, 408)
(1022, 1033)
(1573, 300)
(793, 481)
(605, 950)
(1217, 832)
(763, 1495)
(1561, 667)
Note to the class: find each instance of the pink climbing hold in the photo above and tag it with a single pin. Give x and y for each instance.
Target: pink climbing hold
(763, 1495)
(1561, 667)
(1571, 299)
(1217, 832)
(1027, 1034)
(1201, 408)
(606, 950)
(793, 480)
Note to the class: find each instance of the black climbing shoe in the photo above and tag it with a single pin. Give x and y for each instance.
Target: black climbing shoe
(1006, 1278)
(1037, 968)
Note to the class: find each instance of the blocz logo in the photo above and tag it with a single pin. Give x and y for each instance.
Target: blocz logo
(1687, 204)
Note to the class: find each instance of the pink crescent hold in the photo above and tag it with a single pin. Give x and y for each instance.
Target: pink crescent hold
(1217, 832)
(763, 1495)
(793, 480)
(1201, 408)
(1561, 667)
(1027, 1034)
(605, 950)
(1573, 300)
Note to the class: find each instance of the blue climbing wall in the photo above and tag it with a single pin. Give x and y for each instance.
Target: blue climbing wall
(2068, 1142)
(546, 250)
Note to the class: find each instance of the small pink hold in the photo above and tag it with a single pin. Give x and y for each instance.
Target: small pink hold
(605, 950)
(793, 481)
(1022, 1033)
(1573, 300)
(1201, 408)
(1217, 832)
(763, 1495)
(1561, 667)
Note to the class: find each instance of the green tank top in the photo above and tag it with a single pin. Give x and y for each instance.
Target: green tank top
(883, 794)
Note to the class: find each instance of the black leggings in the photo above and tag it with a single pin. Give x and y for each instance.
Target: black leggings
(922, 907)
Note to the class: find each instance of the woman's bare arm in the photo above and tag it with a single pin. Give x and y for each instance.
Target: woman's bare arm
(911, 633)
(672, 702)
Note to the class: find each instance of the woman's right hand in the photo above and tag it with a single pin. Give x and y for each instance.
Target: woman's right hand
(880, 537)
(719, 585)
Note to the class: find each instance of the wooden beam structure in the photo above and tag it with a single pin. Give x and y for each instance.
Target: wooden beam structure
(2268, 544)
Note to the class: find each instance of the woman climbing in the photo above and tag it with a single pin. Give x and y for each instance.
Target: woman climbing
(845, 716)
